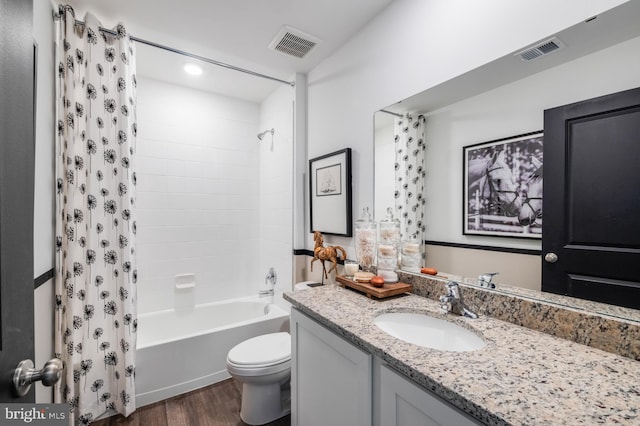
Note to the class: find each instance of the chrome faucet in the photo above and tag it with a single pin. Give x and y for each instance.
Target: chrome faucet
(452, 301)
(270, 278)
(484, 280)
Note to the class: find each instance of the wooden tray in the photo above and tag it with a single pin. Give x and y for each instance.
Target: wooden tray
(387, 290)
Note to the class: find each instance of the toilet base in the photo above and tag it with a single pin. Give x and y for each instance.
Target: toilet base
(264, 403)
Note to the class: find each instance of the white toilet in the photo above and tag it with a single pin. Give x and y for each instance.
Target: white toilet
(263, 365)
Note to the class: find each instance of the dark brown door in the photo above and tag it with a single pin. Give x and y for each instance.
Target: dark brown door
(16, 191)
(591, 238)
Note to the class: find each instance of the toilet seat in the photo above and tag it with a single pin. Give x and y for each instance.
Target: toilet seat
(257, 370)
(264, 354)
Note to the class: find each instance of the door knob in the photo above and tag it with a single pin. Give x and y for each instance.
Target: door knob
(551, 258)
(24, 375)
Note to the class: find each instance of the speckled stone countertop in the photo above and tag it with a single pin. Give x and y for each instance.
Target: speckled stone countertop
(522, 376)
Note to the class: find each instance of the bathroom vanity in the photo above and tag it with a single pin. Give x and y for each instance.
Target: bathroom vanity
(346, 370)
(336, 382)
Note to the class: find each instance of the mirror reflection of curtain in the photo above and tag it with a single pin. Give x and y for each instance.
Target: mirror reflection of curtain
(96, 317)
(409, 134)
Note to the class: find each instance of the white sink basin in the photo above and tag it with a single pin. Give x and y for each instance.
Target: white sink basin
(429, 332)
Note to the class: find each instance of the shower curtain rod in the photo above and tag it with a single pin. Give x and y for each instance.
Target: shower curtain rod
(57, 16)
(395, 113)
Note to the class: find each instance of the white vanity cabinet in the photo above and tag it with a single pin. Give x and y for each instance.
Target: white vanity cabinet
(330, 377)
(403, 403)
(333, 382)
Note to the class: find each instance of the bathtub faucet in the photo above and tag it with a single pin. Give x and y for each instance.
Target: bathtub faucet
(270, 278)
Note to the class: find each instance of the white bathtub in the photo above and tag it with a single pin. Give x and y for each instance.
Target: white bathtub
(179, 351)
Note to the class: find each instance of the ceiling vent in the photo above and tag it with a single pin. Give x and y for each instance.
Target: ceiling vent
(541, 49)
(293, 42)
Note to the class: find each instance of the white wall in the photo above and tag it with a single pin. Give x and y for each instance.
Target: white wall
(198, 194)
(412, 46)
(276, 186)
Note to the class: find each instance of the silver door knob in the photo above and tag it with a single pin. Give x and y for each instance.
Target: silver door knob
(24, 375)
(551, 258)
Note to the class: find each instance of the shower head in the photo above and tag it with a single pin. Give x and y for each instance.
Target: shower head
(261, 135)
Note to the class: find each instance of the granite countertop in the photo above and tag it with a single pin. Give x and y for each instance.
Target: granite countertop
(522, 376)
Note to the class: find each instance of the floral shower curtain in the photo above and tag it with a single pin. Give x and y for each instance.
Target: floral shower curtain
(410, 173)
(95, 281)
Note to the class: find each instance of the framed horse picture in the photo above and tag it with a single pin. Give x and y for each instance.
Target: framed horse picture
(502, 187)
(330, 193)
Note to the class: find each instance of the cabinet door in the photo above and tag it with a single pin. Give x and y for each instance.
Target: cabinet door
(402, 403)
(330, 377)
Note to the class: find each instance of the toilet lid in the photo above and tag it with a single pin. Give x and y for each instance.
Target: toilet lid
(266, 349)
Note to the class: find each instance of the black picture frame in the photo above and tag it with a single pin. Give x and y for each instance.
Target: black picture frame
(497, 178)
(330, 193)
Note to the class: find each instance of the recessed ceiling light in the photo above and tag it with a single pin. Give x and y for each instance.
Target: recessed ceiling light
(192, 69)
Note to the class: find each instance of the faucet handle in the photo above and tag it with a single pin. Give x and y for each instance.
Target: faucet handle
(453, 289)
(271, 277)
(484, 280)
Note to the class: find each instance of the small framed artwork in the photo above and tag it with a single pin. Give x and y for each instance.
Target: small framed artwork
(502, 187)
(330, 193)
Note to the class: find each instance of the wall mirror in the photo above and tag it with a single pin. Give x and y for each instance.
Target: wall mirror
(500, 99)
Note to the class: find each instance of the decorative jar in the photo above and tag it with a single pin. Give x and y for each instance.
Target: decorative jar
(410, 255)
(388, 246)
(365, 235)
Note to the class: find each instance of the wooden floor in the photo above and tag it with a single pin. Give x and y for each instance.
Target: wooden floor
(215, 405)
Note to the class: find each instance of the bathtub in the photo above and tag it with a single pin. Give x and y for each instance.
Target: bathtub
(180, 351)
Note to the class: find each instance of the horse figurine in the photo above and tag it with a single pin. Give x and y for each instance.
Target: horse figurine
(326, 253)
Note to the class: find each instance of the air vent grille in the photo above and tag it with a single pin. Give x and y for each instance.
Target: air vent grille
(293, 42)
(548, 47)
(531, 54)
(541, 49)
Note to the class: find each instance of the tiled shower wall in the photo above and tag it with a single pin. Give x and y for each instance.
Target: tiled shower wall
(276, 187)
(198, 195)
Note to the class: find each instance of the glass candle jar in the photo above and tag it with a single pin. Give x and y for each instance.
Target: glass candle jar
(365, 235)
(350, 268)
(388, 246)
(410, 255)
